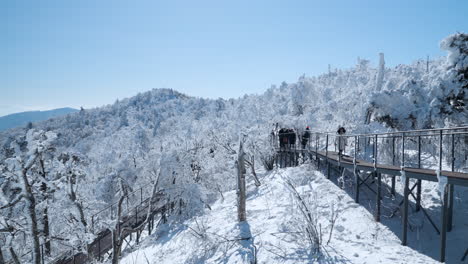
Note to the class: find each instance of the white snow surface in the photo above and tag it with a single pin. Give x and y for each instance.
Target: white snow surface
(272, 219)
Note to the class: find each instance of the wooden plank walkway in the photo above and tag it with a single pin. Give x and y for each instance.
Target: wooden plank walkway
(290, 156)
(456, 178)
(103, 242)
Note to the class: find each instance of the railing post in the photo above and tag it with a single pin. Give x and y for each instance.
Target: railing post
(440, 151)
(451, 190)
(92, 224)
(326, 147)
(402, 150)
(379, 179)
(136, 214)
(316, 151)
(326, 156)
(374, 152)
(419, 151)
(356, 142)
(356, 173)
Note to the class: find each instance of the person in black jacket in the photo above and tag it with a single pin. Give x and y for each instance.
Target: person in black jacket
(283, 137)
(305, 138)
(292, 138)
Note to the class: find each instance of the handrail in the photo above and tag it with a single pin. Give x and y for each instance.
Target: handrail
(406, 132)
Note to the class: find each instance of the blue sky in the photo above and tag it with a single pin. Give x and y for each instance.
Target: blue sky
(89, 53)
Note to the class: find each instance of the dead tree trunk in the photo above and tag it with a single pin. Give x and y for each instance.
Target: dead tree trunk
(45, 213)
(119, 233)
(72, 195)
(116, 234)
(241, 208)
(33, 217)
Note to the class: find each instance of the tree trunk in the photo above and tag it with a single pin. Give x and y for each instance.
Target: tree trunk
(72, 195)
(33, 217)
(45, 215)
(117, 233)
(241, 207)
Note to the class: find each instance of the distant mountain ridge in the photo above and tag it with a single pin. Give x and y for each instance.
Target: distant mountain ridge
(21, 119)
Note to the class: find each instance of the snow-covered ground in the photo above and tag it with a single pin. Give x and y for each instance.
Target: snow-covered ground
(275, 224)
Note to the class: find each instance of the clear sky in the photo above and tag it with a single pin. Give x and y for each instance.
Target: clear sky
(91, 52)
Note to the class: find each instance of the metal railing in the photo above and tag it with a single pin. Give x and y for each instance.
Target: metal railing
(436, 149)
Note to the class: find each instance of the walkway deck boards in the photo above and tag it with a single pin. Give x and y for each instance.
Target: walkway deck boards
(456, 178)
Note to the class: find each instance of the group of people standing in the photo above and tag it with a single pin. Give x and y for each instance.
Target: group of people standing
(287, 137)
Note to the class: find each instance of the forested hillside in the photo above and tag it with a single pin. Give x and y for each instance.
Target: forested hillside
(56, 174)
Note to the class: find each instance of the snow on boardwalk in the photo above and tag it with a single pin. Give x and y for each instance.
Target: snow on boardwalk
(274, 221)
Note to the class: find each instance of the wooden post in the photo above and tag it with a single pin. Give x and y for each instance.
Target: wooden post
(241, 195)
(404, 241)
(443, 235)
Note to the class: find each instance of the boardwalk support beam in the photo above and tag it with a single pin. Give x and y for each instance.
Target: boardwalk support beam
(443, 235)
(450, 208)
(404, 241)
(379, 195)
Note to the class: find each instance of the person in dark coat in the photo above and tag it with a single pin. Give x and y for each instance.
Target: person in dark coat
(291, 137)
(305, 138)
(283, 137)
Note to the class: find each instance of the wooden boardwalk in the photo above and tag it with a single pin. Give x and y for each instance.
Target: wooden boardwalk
(456, 178)
(103, 242)
(317, 150)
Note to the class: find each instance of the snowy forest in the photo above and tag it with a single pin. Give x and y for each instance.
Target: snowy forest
(57, 176)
